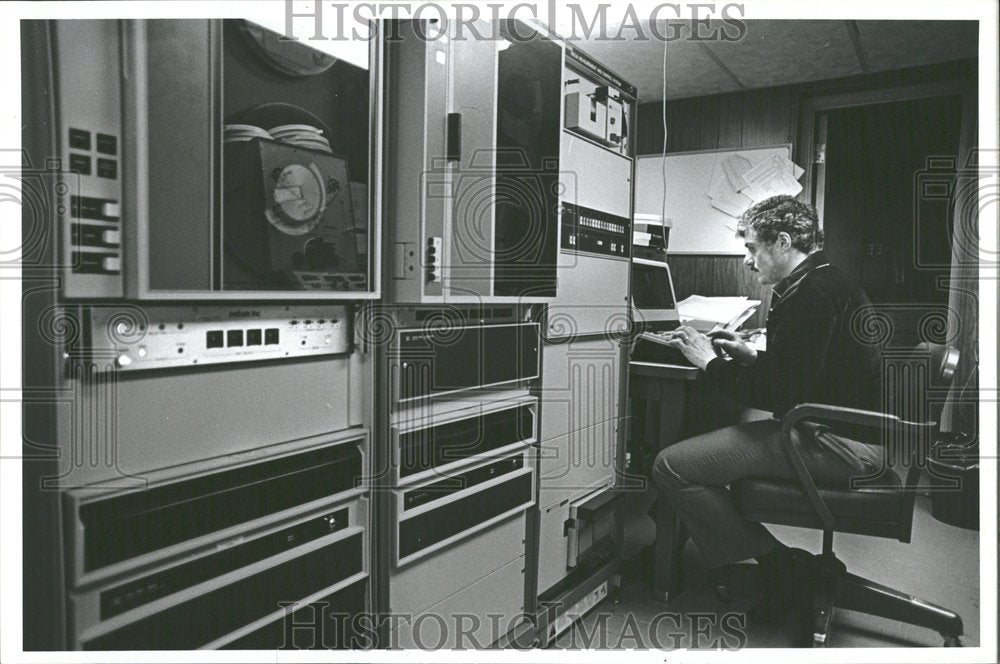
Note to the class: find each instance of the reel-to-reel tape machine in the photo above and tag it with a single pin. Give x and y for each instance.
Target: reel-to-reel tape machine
(290, 162)
(288, 216)
(245, 173)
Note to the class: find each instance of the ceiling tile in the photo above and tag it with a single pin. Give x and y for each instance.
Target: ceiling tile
(897, 44)
(690, 71)
(783, 52)
(776, 52)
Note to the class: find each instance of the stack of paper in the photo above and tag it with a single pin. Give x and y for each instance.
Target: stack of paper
(737, 184)
(707, 313)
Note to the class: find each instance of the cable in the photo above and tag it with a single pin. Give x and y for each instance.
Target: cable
(663, 155)
(973, 372)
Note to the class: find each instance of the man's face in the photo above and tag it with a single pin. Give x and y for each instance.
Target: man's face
(766, 259)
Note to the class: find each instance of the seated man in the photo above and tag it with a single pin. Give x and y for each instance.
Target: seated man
(815, 353)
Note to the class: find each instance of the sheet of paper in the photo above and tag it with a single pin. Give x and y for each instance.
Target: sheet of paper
(758, 191)
(790, 185)
(784, 185)
(718, 184)
(736, 184)
(721, 310)
(764, 170)
(735, 168)
(731, 202)
(742, 318)
(772, 177)
(774, 167)
(729, 207)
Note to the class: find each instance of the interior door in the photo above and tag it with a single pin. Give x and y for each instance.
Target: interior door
(881, 225)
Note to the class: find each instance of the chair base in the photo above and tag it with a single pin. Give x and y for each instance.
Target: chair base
(838, 588)
(854, 593)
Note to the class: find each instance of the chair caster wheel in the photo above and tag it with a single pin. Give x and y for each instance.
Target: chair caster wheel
(952, 642)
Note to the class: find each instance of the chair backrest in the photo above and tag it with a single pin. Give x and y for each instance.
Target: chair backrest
(916, 383)
(916, 388)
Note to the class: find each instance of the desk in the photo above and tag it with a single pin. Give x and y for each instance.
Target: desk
(678, 405)
(667, 391)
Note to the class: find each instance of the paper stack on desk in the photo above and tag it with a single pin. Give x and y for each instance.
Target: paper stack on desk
(708, 313)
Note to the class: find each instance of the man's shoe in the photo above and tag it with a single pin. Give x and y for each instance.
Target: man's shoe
(788, 585)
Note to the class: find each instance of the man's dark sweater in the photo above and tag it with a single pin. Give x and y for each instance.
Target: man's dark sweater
(816, 347)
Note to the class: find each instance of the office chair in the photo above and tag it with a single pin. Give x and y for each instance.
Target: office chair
(879, 506)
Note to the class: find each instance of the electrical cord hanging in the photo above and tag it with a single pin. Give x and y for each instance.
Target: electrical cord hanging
(663, 155)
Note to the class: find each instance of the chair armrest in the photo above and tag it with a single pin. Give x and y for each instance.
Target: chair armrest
(834, 414)
(838, 414)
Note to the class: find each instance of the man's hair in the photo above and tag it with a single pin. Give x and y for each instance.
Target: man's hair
(783, 214)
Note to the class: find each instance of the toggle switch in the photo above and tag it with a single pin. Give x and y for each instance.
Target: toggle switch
(435, 246)
(111, 210)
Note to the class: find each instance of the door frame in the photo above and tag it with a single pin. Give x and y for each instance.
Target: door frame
(812, 125)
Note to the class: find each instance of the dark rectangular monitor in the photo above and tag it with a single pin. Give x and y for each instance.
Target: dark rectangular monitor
(653, 298)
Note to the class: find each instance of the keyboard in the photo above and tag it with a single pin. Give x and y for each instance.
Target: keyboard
(660, 326)
(650, 348)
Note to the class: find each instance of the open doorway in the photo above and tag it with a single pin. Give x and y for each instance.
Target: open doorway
(876, 157)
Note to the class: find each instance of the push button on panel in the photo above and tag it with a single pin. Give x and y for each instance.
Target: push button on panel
(101, 209)
(106, 143)
(89, 235)
(79, 163)
(213, 339)
(79, 139)
(87, 262)
(111, 210)
(107, 168)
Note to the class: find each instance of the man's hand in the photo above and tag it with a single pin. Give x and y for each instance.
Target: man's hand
(733, 345)
(695, 346)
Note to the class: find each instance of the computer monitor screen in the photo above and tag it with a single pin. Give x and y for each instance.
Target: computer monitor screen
(651, 285)
(652, 291)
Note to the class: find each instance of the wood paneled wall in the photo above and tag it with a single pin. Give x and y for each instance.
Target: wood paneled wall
(718, 276)
(747, 119)
(756, 118)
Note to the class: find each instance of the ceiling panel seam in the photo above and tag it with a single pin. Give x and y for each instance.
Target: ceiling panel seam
(859, 49)
(722, 66)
